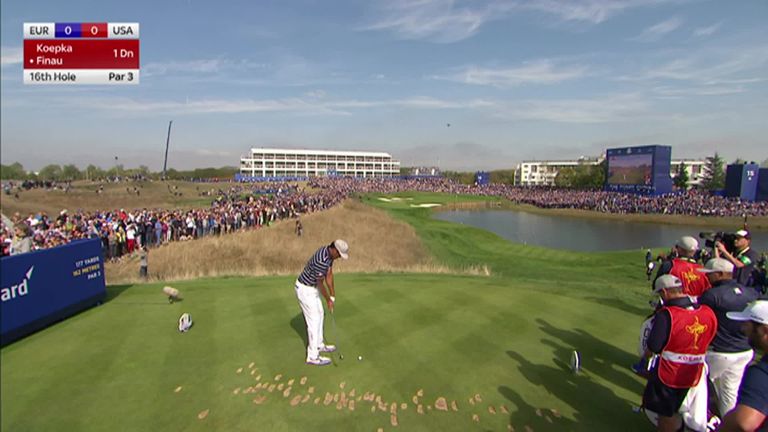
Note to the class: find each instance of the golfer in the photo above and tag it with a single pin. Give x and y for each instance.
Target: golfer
(317, 279)
(751, 412)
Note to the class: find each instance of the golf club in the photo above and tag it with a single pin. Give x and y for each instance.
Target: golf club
(336, 336)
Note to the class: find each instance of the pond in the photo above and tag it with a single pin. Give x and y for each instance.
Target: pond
(580, 234)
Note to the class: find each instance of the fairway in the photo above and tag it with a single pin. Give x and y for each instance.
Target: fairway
(439, 351)
(116, 367)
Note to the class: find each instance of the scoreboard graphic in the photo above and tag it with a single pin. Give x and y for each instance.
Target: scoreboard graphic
(81, 53)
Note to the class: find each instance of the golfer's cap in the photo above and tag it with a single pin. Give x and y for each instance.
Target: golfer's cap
(665, 282)
(716, 265)
(688, 243)
(342, 247)
(742, 233)
(756, 311)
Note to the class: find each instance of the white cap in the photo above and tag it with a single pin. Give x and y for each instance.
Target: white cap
(688, 243)
(666, 281)
(717, 265)
(742, 233)
(756, 311)
(342, 247)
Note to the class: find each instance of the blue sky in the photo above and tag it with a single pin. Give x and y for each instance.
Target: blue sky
(516, 80)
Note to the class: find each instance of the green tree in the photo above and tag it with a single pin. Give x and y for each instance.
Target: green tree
(713, 177)
(14, 171)
(50, 172)
(503, 176)
(70, 172)
(565, 177)
(681, 179)
(92, 172)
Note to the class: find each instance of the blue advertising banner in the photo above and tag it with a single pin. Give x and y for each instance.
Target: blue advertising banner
(42, 287)
(741, 181)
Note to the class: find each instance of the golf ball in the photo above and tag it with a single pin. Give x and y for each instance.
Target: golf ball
(360, 357)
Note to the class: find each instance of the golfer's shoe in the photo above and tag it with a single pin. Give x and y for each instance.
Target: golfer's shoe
(328, 348)
(320, 361)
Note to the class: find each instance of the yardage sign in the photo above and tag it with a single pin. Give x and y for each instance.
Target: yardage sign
(81, 53)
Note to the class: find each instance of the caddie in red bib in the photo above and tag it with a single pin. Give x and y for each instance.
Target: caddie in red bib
(680, 335)
(682, 359)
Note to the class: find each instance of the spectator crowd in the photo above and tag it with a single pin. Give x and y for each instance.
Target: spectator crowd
(255, 205)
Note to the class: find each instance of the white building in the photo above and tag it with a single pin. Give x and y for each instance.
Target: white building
(269, 162)
(543, 173)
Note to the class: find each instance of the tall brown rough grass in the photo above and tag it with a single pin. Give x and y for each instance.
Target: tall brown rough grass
(378, 243)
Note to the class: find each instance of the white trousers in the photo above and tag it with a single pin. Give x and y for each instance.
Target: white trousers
(725, 373)
(312, 308)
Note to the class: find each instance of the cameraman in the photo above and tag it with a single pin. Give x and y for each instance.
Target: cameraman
(684, 266)
(743, 257)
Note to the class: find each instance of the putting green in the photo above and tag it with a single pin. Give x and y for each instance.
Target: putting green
(497, 346)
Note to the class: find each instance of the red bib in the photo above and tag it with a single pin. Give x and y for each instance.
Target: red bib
(682, 359)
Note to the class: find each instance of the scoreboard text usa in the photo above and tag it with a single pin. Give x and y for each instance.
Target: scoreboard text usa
(81, 53)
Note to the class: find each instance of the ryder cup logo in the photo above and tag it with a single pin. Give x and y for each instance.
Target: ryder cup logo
(18, 290)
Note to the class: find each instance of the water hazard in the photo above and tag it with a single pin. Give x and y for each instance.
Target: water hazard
(580, 234)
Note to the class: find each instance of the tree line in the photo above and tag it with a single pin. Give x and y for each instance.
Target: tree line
(55, 172)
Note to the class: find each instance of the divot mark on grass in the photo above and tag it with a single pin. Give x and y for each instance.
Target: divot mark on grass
(403, 406)
(342, 385)
(475, 418)
(441, 404)
(303, 380)
(352, 405)
(250, 366)
(491, 410)
(296, 400)
(504, 409)
(236, 391)
(311, 390)
(178, 389)
(290, 381)
(287, 392)
(555, 412)
(203, 414)
(260, 399)
(454, 406)
(393, 420)
(478, 398)
(240, 370)
(278, 377)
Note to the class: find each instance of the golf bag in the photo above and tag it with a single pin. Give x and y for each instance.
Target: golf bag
(693, 410)
(185, 322)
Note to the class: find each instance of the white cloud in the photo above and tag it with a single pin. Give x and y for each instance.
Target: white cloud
(608, 109)
(446, 21)
(707, 31)
(11, 56)
(434, 20)
(533, 72)
(710, 67)
(590, 11)
(657, 31)
(199, 66)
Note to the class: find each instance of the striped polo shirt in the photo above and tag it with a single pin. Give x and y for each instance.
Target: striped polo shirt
(317, 267)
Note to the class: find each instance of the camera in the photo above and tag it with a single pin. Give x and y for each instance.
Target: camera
(727, 239)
